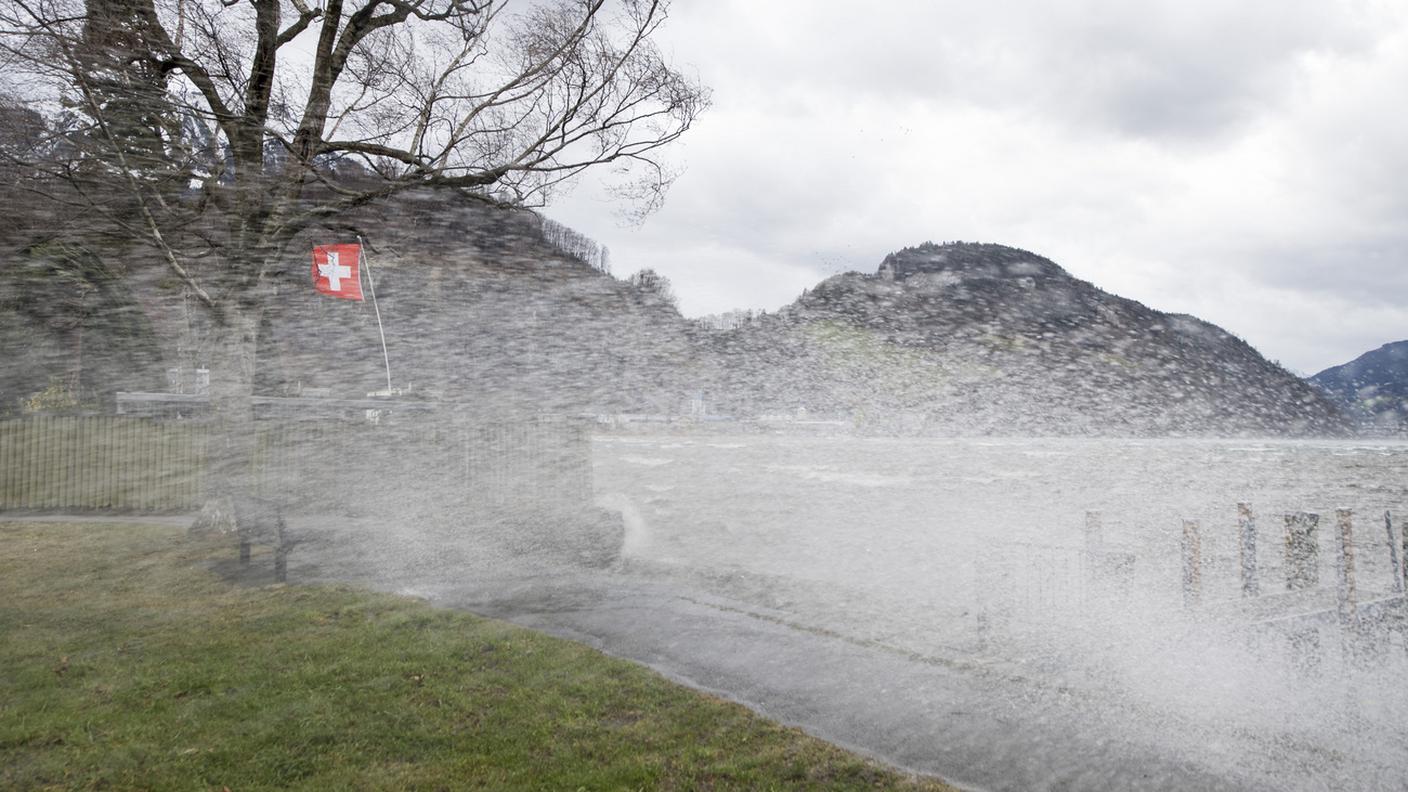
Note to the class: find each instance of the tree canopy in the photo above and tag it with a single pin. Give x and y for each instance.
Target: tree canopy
(216, 131)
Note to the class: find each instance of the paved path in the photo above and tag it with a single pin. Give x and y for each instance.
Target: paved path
(923, 714)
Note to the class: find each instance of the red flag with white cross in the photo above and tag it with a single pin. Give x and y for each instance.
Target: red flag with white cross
(337, 271)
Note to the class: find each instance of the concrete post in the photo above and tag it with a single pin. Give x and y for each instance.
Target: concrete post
(1094, 532)
(1396, 560)
(1192, 564)
(1346, 586)
(1302, 551)
(1246, 548)
(1094, 535)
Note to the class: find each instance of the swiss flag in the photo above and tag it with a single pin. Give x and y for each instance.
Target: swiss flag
(337, 270)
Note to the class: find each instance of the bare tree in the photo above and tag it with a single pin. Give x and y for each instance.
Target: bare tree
(577, 245)
(224, 129)
(653, 286)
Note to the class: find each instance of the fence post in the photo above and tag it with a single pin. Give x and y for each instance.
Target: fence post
(1347, 590)
(1094, 548)
(1192, 564)
(1395, 560)
(1403, 557)
(1246, 548)
(1094, 532)
(281, 559)
(1303, 572)
(1302, 551)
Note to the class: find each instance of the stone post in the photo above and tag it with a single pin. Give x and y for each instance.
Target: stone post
(1302, 551)
(1346, 587)
(1246, 547)
(1192, 564)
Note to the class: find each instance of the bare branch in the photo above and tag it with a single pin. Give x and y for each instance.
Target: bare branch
(503, 105)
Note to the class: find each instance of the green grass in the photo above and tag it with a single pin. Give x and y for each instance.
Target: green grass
(124, 664)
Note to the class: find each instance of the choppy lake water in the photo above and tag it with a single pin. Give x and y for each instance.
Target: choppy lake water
(976, 554)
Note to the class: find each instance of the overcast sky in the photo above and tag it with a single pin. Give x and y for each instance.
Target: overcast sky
(1245, 161)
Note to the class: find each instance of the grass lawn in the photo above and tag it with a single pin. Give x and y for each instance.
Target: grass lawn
(125, 664)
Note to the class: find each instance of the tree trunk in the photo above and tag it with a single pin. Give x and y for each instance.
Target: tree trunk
(230, 471)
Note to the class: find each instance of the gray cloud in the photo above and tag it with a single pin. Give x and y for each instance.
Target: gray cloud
(1141, 67)
(1175, 152)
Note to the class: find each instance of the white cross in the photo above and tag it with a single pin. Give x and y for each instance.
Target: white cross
(334, 271)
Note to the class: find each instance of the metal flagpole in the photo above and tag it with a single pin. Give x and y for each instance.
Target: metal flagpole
(366, 262)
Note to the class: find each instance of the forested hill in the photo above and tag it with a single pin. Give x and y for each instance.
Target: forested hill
(1373, 386)
(480, 305)
(960, 337)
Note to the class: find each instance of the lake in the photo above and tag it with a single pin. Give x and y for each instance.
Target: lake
(980, 555)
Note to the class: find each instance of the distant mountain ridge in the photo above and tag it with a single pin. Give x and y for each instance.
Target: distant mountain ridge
(1373, 386)
(967, 337)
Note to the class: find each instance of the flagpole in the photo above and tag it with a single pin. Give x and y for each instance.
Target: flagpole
(366, 262)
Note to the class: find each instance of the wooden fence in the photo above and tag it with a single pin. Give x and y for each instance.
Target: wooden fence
(149, 465)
